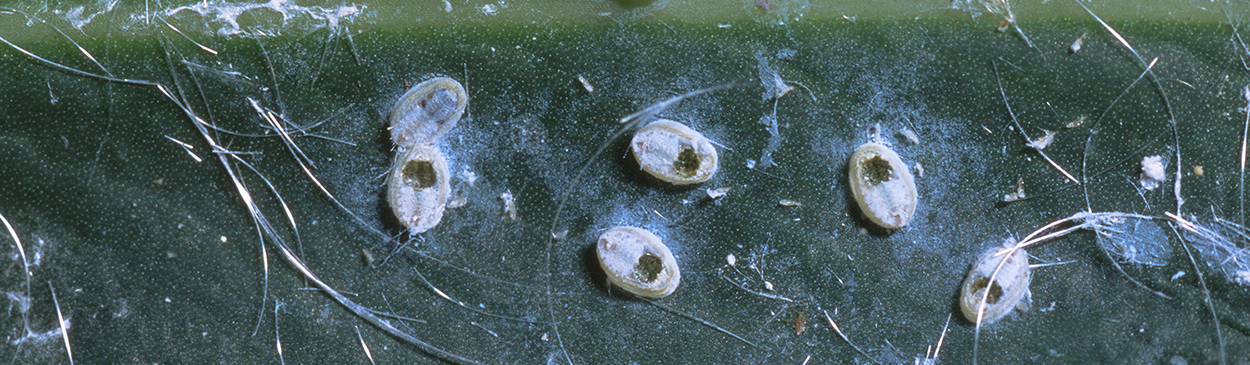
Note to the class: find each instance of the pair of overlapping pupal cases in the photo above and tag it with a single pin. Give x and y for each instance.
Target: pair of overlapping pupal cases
(418, 184)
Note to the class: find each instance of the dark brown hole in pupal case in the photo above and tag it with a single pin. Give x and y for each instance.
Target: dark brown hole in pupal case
(877, 170)
(419, 174)
(996, 291)
(649, 267)
(687, 163)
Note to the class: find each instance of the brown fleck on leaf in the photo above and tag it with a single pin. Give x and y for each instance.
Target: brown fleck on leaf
(800, 324)
(763, 4)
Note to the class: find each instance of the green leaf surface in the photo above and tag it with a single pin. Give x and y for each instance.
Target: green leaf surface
(124, 207)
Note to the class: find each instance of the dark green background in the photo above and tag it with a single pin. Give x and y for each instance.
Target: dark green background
(129, 227)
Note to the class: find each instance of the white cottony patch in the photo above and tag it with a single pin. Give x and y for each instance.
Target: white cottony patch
(774, 88)
(1242, 277)
(227, 14)
(22, 301)
(76, 18)
(468, 175)
(1136, 241)
(80, 16)
(41, 337)
(509, 204)
(1152, 174)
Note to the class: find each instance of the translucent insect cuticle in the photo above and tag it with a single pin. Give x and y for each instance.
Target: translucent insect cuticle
(674, 153)
(418, 184)
(443, 108)
(1008, 289)
(882, 186)
(636, 261)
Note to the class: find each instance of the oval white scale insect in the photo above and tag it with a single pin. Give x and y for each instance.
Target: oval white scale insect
(427, 111)
(638, 262)
(673, 152)
(882, 185)
(418, 187)
(1007, 291)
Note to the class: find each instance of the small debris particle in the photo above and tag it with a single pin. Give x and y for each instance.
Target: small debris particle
(1047, 309)
(780, 87)
(750, 164)
(1152, 175)
(457, 200)
(1002, 27)
(733, 261)
(1018, 195)
(545, 338)
(560, 236)
(446, 6)
(223, 239)
(768, 285)
(468, 175)
(1076, 45)
(1241, 277)
(1178, 275)
(763, 4)
(488, 9)
(1044, 141)
(158, 182)
(911, 136)
(1198, 170)
(586, 84)
(919, 171)
(800, 323)
(1076, 123)
(717, 193)
(774, 85)
(366, 256)
(787, 203)
(509, 204)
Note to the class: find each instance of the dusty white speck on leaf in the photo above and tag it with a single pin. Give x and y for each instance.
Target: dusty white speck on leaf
(1152, 175)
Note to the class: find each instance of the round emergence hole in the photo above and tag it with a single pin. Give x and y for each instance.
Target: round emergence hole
(687, 162)
(996, 291)
(419, 174)
(649, 267)
(877, 170)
